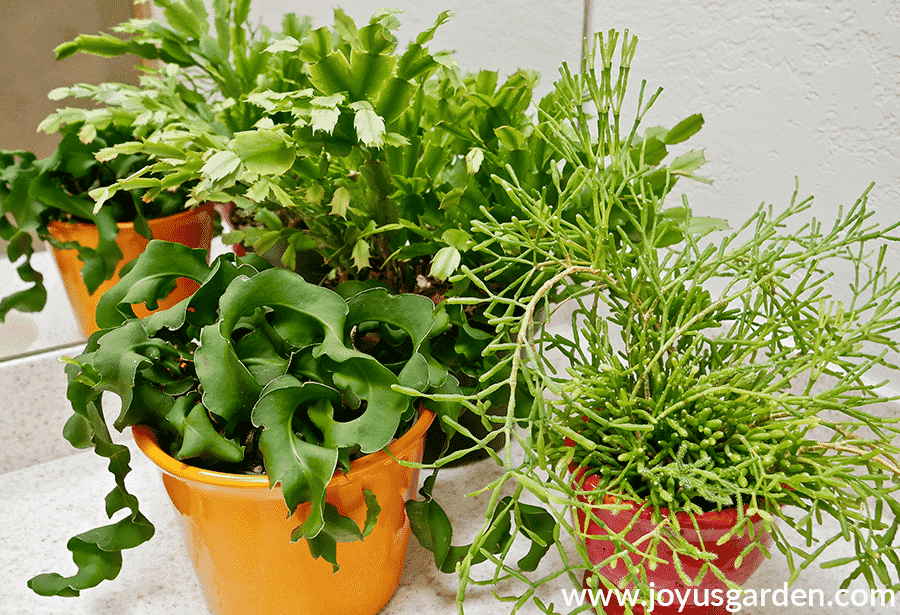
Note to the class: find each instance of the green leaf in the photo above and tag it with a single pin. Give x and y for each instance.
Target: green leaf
(361, 254)
(324, 119)
(430, 524)
(539, 526)
(426, 35)
(340, 202)
(203, 441)
(331, 75)
(104, 45)
(369, 126)
(511, 138)
(684, 130)
(229, 389)
(221, 165)
(98, 552)
(151, 279)
(700, 226)
(184, 20)
(412, 314)
(264, 152)
(473, 160)
(287, 44)
(346, 28)
(31, 299)
(368, 74)
(687, 163)
(338, 528)
(302, 468)
(395, 99)
(445, 263)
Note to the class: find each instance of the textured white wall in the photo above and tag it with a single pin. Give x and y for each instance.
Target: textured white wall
(787, 87)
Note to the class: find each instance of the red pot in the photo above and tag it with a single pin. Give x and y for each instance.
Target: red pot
(707, 598)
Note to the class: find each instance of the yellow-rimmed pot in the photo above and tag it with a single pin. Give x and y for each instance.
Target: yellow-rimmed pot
(238, 533)
(193, 228)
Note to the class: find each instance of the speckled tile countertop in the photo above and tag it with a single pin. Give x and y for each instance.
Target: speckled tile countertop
(43, 505)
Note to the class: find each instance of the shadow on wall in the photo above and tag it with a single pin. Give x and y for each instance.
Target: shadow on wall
(29, 31)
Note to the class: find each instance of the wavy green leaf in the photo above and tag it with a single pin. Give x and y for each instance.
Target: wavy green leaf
(200, 439)
(302, 468)
(338, 528)
(229, 389)
(151, 279)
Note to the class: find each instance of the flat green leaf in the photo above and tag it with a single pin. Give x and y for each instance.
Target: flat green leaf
(287, 44)
(445, 263)
(220, 165)
(98, 552)
(687, 163)
(511, 138)
(229, 389)
(430, 524)
(361, 254)
(473, 160)
(264, 152)
(338, 528)
(684, 130)
(30, 299)
(151, 279)
(201, 440)
(369, 126)
(368, 74)
(104, 45)
(346, 28)
(412, 314)
(331, 75)
(395, 98)
(538, 525)
(324, 119)
(340, 202)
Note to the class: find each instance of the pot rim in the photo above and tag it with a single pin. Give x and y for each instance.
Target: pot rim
(725, 518)
(146, 441)
(63, 224)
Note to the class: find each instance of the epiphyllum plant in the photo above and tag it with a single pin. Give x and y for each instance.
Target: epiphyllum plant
(34, 192)
(695, 377)
(257, 369)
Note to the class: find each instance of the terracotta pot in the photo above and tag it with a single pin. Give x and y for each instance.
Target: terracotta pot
(708, 598)
(238, 533)
(193, 228)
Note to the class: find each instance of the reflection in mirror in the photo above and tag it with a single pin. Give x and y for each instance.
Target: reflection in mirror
(29, 31)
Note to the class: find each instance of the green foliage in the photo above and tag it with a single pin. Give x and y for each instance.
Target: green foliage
(347, 151)
(256, 359)
(34, 192)
(699, 375)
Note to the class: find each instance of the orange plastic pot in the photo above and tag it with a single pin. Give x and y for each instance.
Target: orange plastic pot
(238, 533)
(193, 228)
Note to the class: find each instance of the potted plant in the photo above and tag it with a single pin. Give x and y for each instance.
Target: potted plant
(97, 149)
(267, 403)
(50, 197)
(708, 399)
(368, 162)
